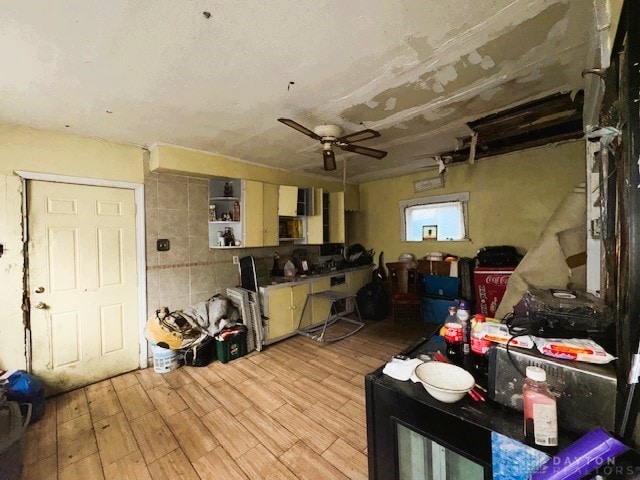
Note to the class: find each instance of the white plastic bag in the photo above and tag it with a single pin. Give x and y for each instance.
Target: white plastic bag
(581, 349)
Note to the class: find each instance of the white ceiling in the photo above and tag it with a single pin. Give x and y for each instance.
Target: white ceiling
(159, 71)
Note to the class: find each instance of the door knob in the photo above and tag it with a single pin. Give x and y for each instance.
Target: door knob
(40, 305)
(40, 290)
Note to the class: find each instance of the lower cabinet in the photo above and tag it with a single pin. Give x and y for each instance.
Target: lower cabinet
(285, 308)
(284, 304)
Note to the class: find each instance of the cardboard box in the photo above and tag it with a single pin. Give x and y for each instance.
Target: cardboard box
(429, 267)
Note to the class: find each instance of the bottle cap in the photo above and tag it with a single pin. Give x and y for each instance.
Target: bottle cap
(536, 373)
(452, 309)
(462, 304)
(480, 318)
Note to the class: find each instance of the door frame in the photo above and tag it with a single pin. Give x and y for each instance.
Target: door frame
(141, 264)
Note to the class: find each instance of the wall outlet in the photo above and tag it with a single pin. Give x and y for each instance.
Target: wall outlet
(163, 245)
(236, 260)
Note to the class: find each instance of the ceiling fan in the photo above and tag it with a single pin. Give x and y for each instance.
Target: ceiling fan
(329, 135)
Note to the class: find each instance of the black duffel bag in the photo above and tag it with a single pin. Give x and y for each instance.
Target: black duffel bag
(373, 302)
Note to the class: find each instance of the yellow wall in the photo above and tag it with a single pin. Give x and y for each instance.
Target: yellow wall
(23, 148)
(511, 199)
(171, 159)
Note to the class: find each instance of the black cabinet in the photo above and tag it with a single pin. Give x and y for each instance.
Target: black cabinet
(412, 435)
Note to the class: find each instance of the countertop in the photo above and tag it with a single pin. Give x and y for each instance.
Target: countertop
(276, 282)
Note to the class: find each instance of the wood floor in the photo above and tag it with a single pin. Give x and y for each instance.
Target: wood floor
(294, 411)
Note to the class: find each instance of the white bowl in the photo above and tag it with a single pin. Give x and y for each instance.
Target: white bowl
(444, 381)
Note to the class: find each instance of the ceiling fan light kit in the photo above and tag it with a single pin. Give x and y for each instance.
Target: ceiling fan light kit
(330, 135)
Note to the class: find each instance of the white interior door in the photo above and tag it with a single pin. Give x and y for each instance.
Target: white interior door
(82, 283)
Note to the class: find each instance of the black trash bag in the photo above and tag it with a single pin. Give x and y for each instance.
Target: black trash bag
(372, 299)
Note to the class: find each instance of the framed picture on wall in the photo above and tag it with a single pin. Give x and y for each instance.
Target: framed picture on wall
(430, 232)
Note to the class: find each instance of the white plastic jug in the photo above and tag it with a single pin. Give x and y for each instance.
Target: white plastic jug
(289, 269)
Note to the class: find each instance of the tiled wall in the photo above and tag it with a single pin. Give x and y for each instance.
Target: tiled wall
(177, 209)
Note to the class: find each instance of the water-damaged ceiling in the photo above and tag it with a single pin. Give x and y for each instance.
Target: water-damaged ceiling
(215, 75)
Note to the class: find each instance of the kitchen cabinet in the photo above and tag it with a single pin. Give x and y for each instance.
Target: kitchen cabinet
(359, 278)
(287, 201)
(336, 217)
(225, 210)
(253, 193)
(326, 225)
(314, 222)
(285, 306)
(256, 224)
(283, 302)
(269, 215)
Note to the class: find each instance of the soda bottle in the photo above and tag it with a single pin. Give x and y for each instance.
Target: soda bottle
(453, 336)
(479, 347)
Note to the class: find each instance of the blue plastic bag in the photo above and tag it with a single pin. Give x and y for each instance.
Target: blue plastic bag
(22, 387)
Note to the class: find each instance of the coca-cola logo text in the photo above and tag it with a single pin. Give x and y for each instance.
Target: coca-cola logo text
(497, 279)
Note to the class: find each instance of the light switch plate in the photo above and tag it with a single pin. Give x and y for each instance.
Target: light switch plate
(163, 244)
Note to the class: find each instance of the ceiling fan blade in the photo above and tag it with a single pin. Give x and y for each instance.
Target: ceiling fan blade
(359, 136)
(329, 159)
(369, 152)
(300, 128)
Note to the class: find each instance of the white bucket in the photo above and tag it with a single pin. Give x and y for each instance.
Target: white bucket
(164, 359)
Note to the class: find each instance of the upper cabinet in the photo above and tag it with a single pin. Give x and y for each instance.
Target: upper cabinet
(326, 225)
(336, 217)
(247, 209)
(249, 213)
(270, 215)
(225, 213)
(253, 194)
(288, 201)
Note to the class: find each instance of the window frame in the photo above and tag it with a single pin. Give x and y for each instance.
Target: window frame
(461, 197)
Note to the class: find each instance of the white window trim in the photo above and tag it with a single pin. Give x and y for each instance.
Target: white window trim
(462, 197)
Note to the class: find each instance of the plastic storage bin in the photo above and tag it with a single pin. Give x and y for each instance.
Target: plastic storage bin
(436, 309)
(441, 286)
(231, 348)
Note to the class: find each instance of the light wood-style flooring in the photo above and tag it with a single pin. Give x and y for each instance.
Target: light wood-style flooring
(294, 411)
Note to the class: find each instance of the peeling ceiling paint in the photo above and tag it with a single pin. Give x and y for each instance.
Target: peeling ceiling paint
(415, 70)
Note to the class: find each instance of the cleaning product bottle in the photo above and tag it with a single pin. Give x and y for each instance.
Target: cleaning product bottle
(463, 317)
(453, 336)
(479, 347)
(540, 411)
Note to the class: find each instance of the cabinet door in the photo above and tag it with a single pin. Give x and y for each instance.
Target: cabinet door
(299, 295)
(314, 222)
(287, 201)
(320, 307)
(270, 215)
(280, 312)
(252, 195)
(358, 279)
(336, 217)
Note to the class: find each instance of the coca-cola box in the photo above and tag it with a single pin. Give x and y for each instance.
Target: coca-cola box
(490, 284)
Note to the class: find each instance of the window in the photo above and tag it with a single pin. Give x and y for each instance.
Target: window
(439, 218)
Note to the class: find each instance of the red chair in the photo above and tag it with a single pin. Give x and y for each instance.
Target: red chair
(405, 287)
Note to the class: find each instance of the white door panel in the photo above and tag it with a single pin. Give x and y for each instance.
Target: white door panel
(82, 270)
